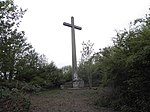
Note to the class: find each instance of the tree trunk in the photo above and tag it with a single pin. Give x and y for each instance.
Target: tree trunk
(10, 76)
(5, 76)
(89, 76)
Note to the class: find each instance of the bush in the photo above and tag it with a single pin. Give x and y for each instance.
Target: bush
(8, 84)
(13, 100)
(22, 86)
(29, 88)
(104, 97)
(108, 97)
(38, 81)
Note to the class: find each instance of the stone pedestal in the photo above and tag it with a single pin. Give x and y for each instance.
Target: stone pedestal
(78, 83)
(75, 84)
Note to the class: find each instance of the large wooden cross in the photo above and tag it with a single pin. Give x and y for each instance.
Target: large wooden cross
(74, 61)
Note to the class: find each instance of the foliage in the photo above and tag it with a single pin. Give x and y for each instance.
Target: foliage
(21, 86)
(18, 60)
(67, 73)
(82, 72)
(86, 62)
(27, 66)
(38, 80)
(48, 76)
(89, 68)
(105, 96)
(12, 42)
(30, 88)
(87, 51)
(13, 101)
(125, 66)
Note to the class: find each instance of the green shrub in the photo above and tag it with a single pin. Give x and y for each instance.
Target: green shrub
(112, 98)
(38, 81)
(108, 97)
(104, 97)
(22, 86)
(8, 84)
(13, 100)
(29, 88)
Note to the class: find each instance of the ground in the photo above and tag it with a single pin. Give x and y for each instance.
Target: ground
(65, 101)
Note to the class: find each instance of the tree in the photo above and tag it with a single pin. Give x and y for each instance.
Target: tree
(86, 60)
(67, 73)
(43, 61)
(28, 65)
(12, 43)
(125, 67)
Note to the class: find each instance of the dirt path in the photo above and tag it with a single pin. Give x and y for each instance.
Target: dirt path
(64, 101)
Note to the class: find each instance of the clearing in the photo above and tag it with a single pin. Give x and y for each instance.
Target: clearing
(65, 101)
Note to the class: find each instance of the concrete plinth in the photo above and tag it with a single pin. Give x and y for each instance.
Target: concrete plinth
(78, 83)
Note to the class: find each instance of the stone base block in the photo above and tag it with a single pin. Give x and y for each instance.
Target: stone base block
(78, 83)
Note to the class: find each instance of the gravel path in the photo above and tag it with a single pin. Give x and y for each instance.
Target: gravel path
(64, 101)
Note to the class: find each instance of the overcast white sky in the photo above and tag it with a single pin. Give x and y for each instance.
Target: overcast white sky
(43, 24)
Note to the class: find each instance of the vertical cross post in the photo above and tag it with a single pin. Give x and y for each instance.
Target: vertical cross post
(74, 61)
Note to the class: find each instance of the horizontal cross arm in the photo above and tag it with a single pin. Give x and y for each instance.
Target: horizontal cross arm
(70, 25)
